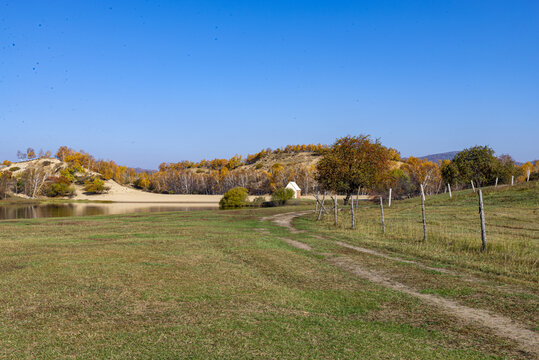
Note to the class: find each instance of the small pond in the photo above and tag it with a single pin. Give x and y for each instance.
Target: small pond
(88, 209)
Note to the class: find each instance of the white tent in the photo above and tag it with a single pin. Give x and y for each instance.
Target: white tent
(297, 191)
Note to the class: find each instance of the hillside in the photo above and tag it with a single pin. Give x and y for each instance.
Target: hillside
(287, 160)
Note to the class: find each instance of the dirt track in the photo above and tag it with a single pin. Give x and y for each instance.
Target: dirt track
(500, 325)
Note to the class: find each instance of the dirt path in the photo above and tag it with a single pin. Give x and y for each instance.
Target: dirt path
(500, 325)
(285, 220)
(394, 258)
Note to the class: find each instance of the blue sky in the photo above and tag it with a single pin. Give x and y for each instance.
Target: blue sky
(142, 82)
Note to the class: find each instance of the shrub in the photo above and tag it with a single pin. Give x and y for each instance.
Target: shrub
(45, 163)
(259, 201)
(15, 168)
(282, 195)
(69, 174)
(142, 183)
(60, 187)
(258, 166)
(234, 198)
(95, 186)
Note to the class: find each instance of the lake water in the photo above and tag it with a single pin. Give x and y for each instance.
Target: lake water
(87, 209)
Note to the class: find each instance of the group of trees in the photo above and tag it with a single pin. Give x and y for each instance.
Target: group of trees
(212, 181)
(348, 164)
(478, 164)
(30, 154)
(353, 162)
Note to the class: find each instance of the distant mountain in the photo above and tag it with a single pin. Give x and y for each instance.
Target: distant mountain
(141, 170)
(441, 156)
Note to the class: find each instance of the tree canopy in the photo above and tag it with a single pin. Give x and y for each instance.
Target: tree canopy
(353, 161)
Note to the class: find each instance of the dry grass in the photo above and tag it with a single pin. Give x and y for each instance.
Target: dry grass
(453, 235)
(203, 284)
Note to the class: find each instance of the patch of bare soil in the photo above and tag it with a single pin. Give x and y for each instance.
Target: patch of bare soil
(297, 244)
(285, 220)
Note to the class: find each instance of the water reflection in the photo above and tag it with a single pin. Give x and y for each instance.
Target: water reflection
(89, 209)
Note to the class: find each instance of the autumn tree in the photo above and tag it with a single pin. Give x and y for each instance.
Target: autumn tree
(5, 183)
(30, 153)
(353, 161)
(33, 180)
(506, 167)
(423, 172)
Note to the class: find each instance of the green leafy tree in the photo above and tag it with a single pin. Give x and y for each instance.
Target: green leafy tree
(282, 195)
(507, 168)
(449, 171)
(234, 198)
(477, 163)
(353, 161)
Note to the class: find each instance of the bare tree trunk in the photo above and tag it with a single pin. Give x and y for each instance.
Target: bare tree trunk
(449, 188)
(473, 187)
(389, 199)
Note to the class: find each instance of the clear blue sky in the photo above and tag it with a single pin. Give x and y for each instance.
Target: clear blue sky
(142, 82)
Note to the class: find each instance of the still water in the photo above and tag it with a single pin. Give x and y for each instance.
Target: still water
(88, 209)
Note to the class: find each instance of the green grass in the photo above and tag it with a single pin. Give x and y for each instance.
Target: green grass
(453, 230)
(212, 284)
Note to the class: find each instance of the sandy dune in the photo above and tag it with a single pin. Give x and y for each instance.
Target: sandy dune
(119, 193)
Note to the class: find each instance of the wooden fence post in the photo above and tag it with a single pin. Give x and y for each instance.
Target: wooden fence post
(423, 213)
(496, 184)
(382, 211)
(357, 200)
(473, 187)
(353, 216)
(449, 188)
(482, 217)
(335, 208)
(389, 199)
(322, 206)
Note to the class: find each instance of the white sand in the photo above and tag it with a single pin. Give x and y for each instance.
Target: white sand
(119, 193)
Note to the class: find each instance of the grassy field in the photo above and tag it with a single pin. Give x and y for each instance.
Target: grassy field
(224, 284)
(453, 229)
